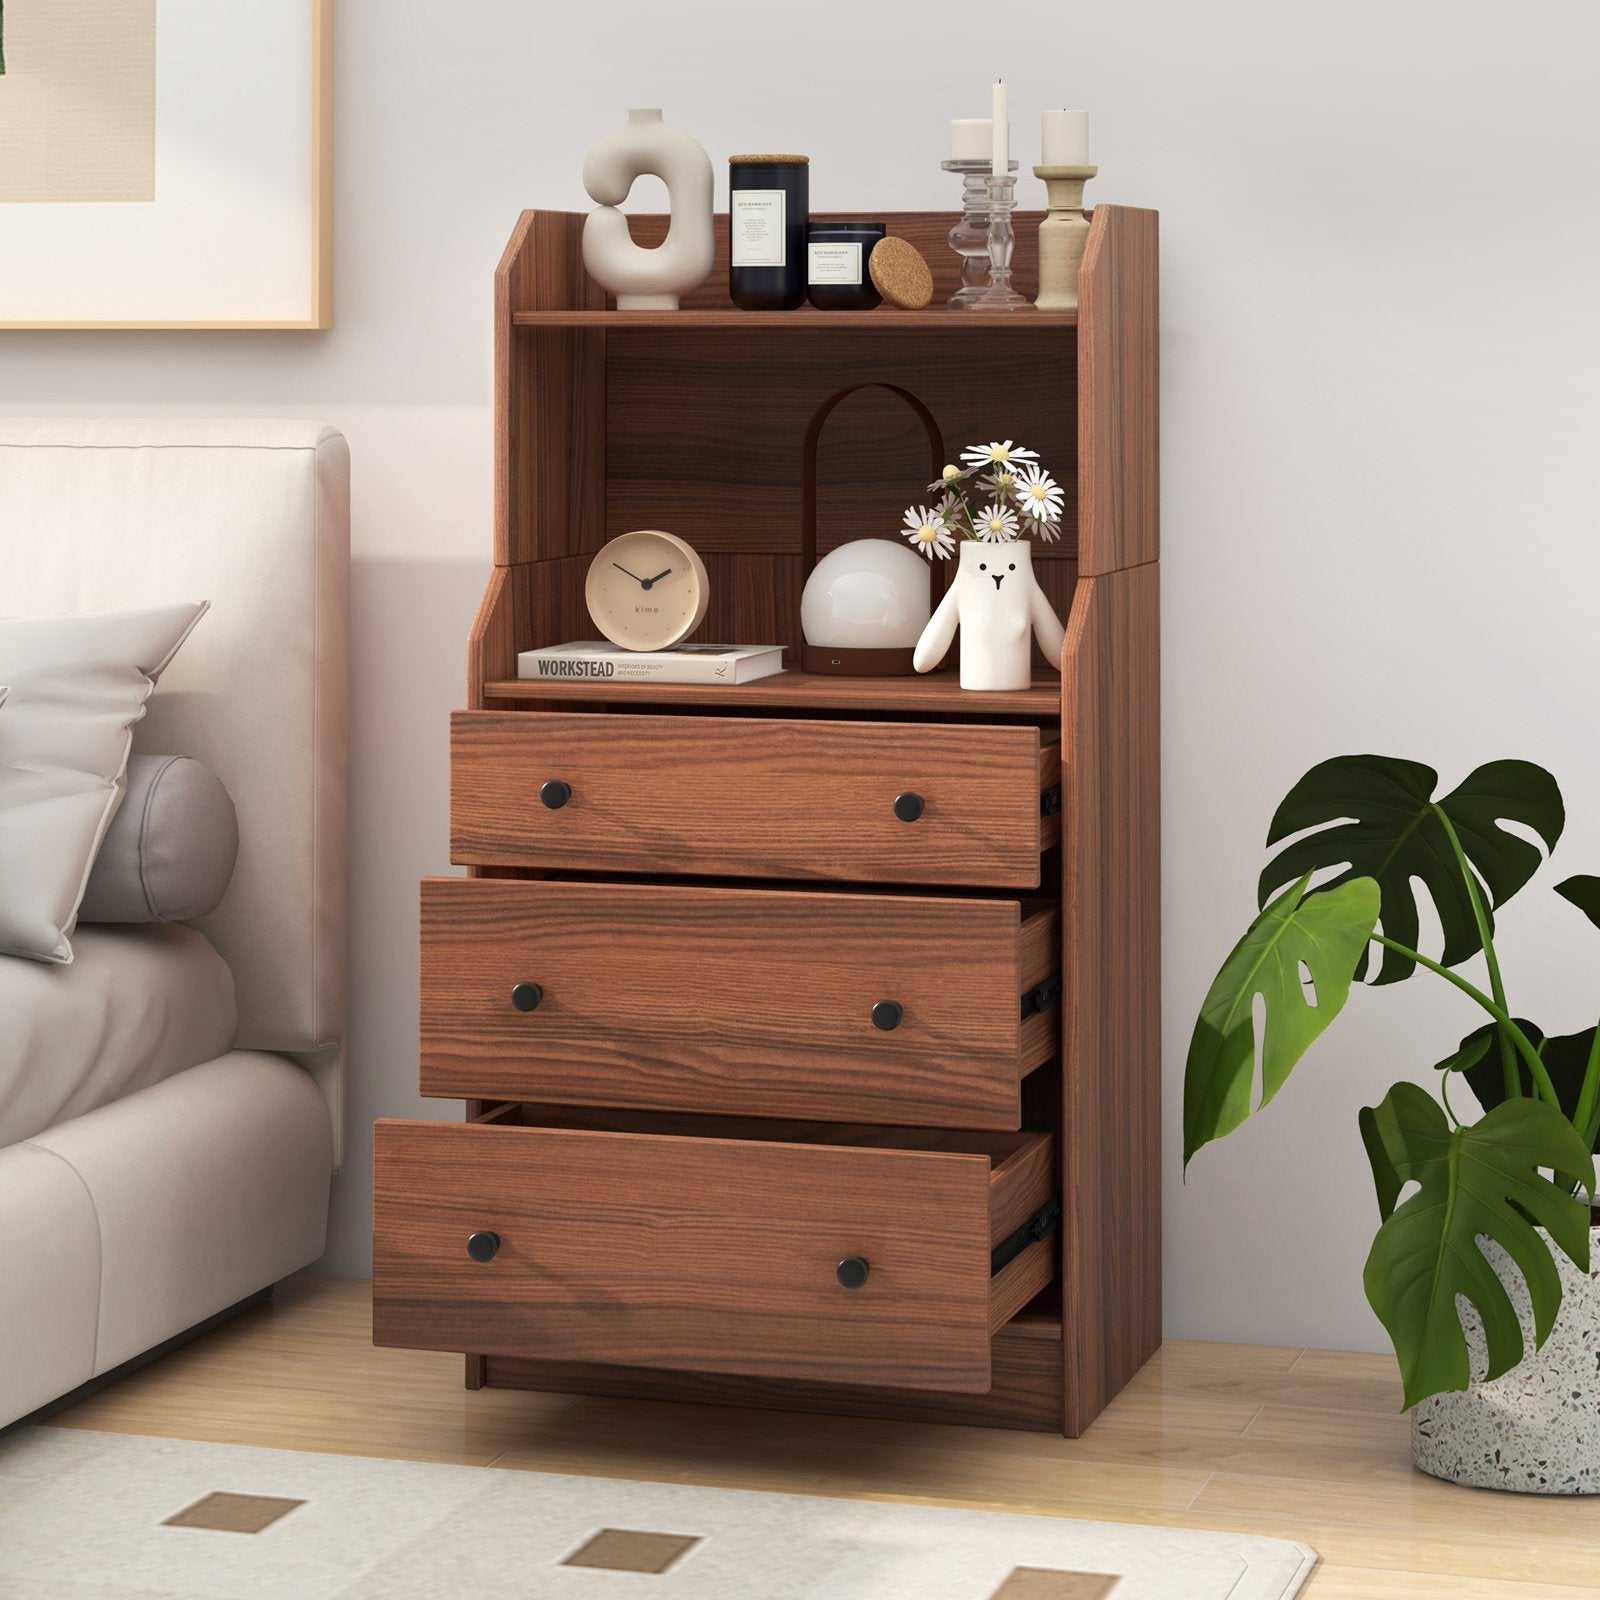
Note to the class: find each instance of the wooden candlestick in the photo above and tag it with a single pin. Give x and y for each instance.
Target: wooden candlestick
(1062, 236)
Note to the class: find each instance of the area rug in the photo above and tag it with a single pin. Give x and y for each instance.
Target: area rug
(101, 1516)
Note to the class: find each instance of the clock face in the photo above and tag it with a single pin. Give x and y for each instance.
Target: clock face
(647, 590)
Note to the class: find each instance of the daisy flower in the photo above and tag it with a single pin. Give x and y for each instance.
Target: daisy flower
(951, 479)
(1001, 484)
(997, 524)
(1000, 454)
(928, 532)
(1040, 495)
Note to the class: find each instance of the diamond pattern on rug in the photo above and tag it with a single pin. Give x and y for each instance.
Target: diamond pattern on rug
(1052, 1583)
(625, 1550)
(232, 1513)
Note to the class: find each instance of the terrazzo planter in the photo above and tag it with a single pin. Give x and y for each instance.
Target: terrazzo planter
(1537, 1429)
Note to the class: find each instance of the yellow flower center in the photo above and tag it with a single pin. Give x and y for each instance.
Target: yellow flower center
(996, 524)
(950, 472)
(1037, 490)
(927, 533)
(999, 453)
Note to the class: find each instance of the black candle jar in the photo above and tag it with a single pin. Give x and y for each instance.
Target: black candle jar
(836, 265)
(769, 200)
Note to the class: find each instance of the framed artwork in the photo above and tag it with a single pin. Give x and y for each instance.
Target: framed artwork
(166, 164)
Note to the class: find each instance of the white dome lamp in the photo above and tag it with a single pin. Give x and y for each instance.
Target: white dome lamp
(865, 604)
(864, 608)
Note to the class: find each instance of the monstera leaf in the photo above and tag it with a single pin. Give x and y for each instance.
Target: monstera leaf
(1327, 933)
(1376, 817)
(1483, 1179)
(1583, 891)
(1565, 1057)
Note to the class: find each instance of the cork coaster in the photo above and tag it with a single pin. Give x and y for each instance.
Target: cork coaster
(900, 274)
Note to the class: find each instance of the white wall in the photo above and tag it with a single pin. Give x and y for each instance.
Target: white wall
(1380, 253)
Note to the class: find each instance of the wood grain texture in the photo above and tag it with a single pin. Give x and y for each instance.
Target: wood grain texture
(937, 693)
(491, 644)
(705, 434)
(1111, 908)
(1025, 1392)
(805, 319)
(927, 230)
(741, 1001)
(1119, 394)
(1019, 1281)
(750, 797)
(550, 398)
(699, 1254)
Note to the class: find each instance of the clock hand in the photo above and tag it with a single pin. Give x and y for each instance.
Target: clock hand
(657, 579)
(634, 575)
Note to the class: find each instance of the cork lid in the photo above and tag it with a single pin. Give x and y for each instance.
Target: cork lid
(901, 274)
(769, 161)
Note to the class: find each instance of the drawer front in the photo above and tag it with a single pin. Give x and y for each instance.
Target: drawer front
(871, 1008)
(752, 797)
(697, 1254)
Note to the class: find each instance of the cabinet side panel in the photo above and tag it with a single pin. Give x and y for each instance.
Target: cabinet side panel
(1119, 510)
(491, 645)
(549, 448)
(1111, 915)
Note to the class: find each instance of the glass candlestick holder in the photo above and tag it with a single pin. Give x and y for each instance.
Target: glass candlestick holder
(1001, 200)
(970, 236)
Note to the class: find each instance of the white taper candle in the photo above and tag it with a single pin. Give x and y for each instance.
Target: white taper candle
(1002, 131)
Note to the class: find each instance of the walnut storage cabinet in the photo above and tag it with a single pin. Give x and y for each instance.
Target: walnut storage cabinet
(808, 1029)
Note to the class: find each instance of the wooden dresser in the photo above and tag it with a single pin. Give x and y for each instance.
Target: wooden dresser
(808, 1029)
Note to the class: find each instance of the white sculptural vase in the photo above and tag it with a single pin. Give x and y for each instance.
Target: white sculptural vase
(1000, 609)
(649, 280)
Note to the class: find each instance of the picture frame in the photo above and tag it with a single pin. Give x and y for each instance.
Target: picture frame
(160, 172)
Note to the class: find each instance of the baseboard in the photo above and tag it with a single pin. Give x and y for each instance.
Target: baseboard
(95, 1384)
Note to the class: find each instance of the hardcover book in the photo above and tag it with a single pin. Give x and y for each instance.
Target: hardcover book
(685, 663)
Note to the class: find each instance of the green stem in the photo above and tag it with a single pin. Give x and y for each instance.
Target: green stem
(1497, 987)
(1586, 1119)
(1541, 1078)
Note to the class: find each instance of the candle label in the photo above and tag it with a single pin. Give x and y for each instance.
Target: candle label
(835, 263)
(756, 218)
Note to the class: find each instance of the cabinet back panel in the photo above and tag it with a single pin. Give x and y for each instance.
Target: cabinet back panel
(704, 436)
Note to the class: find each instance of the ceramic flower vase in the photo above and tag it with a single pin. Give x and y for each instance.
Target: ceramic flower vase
(649, 280)
(1000, 609)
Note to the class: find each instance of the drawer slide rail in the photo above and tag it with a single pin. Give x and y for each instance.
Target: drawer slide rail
(1041, 1225)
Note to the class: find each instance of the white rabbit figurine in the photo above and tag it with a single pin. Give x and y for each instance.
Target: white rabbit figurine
(997, 602)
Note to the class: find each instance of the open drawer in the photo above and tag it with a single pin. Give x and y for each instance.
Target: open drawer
(754, 797)
(834, 1253)
(757, 1002)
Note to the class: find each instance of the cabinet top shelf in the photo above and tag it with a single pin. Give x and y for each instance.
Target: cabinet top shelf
(938, 692)
(883, 320)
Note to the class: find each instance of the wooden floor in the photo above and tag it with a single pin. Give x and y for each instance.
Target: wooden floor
(1302, 1444)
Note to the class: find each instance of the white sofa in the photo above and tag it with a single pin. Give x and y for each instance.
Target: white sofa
(124, 1228)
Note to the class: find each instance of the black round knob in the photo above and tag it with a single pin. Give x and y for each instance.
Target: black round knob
(482, 1245)
(554, 793)
(526, 996)
(852, 1271)
(886, 1014)
(908, 806)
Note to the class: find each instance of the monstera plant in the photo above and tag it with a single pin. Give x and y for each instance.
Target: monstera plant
(1339, 908)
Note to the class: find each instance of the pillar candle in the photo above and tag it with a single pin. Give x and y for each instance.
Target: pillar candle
(1064, 139)
(971, 139)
